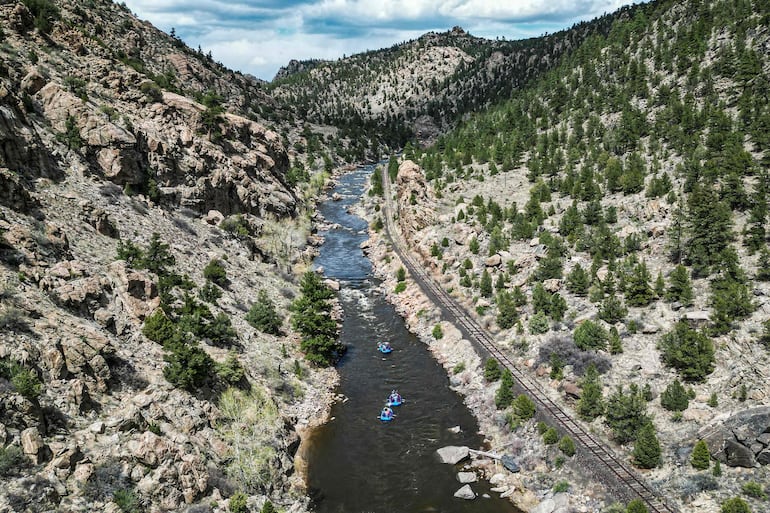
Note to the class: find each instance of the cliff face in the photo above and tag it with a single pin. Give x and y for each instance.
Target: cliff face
(110, 132)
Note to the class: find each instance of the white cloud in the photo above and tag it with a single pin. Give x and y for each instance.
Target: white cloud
(259, 36)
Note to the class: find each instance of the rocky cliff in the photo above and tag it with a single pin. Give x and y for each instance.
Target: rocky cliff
(117, 140)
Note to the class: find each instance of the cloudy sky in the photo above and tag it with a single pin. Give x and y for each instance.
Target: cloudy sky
(259, 36)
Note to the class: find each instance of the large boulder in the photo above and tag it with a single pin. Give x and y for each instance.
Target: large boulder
(452, 454)
(741, 440)
(415, 199)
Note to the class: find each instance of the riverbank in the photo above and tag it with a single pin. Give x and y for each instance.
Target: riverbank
(544, 470)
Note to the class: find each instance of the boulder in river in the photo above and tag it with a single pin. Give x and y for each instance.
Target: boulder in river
(465, 493)
(452, 454)
(467, 477)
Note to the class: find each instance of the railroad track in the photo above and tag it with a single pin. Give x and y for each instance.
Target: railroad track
(620, 476)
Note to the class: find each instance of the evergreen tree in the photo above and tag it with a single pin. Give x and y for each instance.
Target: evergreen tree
(591, 402)
(507, 312)
(485, 286)
(504, 394)
(612, 309)
(674, 397)
(763, 264)
(688, 351)
(263, 316)
(647, 452)
(625, 414)
(491, 370)
(311, 316)
(700, 457)
(660, 285)
(638, 290)
(157, 258)
(680, 288)
(541, 299)
(709, 223)
(730, 296)
(615, 345)
(577, 281)
(590, 335)
(557, 307)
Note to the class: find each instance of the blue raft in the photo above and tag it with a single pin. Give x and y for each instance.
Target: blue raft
(386, 416)
(395, 399)
(384, 347)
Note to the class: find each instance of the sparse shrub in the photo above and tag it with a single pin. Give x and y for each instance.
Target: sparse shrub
(126, 500)
(538, 324)
(636, 506)
(400, 287)
(437, 332)
(569, 354)
(753, 489)
(457, 369)
(567, 446)
(11, 460)
(268, 507)
(210, 293)
(561, 486)
(151, 90)
(159, 328)
(263, 316)
(713, 401)
(735, 505)
(215, 272)
(541, 427)
(238, 503)
(26, 382)
(231, 371)
(236, 225)
(401, 274)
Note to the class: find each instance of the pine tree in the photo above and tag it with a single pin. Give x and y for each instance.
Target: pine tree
(647, 452)
(504, 394)
(616, 345)
(590, 335)
(577, 281)
(674, 397)
(263, 316)
(157, 258)
(612, 309)
(638, 290)
(485, 286)
(763, 264)
(625, 413)
(700, 458)
(680, 288)
(660, 285)
(507, 312)
(709, 223)
(591, 402)
(688, 351)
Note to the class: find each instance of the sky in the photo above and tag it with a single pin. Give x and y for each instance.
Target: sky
(259, 36)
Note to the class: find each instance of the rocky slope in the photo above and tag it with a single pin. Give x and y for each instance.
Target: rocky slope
(613, 163)
(115, 135)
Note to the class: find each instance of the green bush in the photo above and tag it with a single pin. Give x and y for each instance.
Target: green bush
(567, 446)
(735, 505)
(491, 370)
(457, 369)
(268, 507)
(400, 287)
(210, 293)
(674, 397)
(215, 272)
(590, 335)
(551, 436)
(230, 371)
(45, 13)
(688, 351)
(754, 489)
(26, 382)
(188, 366)
(700, 457)
(538, 323)
(504, 394)
(238, 503)
(437, 332)
(11, 460)
(263, 316)
(236, 225)
(159, 328)
(636, 506)
(127, 501)
(647, 452)
(523, 408)
(401, 274)
(152, 91)
(561, 486)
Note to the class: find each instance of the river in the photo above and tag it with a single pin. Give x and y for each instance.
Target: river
(356, 462)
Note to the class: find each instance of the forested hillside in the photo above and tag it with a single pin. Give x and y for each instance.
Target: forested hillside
(422, 87)
(612, 217)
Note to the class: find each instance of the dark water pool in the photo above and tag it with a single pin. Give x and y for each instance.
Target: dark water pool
(356, 462)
